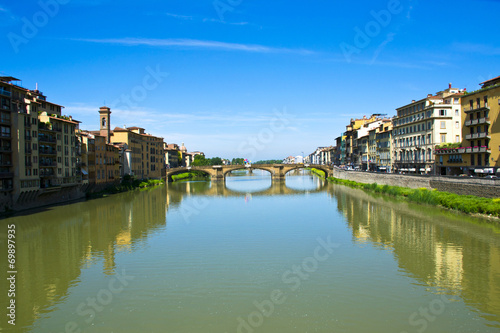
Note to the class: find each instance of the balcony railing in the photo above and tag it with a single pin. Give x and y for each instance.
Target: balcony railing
(48, 164)
(43, 138)
(5, 92)
(44, 151)
(476, 107)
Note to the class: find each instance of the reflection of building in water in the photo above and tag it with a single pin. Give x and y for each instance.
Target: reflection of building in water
(449, 265)
(452, 254)
(54, 246)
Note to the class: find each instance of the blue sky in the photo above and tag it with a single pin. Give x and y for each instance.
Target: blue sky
(239, 78)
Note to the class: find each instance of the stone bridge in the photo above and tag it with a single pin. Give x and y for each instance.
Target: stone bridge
(219, 172)
(220, 189)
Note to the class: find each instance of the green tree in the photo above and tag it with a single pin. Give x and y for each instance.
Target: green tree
(238, 161)
(200, 160)
(215, 161)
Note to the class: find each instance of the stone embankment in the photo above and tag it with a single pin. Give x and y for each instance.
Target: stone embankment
(481, 187)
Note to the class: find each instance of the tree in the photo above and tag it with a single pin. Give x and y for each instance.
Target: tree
(200, 160)
(238, 161)
(216, 161)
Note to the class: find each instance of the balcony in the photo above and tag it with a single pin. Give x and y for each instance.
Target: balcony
(43, 138)
(480, 135)
(48, 164)
(5, 163)
(471, 122)
(5, 92)
(446, 151)
(468, 150)
(479, 121)
(45, 151)
(5, 120)
(475, 149)
(477, 108)
(5, 135)
(4, 175)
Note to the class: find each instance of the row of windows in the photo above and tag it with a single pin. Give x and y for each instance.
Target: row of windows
(30, 183)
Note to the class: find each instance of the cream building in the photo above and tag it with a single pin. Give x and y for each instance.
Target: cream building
(423, 124)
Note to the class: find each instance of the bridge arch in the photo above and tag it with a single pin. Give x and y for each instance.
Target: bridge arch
(177, 171)
(249, 168)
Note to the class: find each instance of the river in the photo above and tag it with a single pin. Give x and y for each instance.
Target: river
(251, 256)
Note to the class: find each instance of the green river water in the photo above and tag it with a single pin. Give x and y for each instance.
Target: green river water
(251, 256)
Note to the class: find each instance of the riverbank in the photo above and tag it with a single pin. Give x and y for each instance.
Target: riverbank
(190, 176)
(469, 204)
(128, 184)
(319, 173)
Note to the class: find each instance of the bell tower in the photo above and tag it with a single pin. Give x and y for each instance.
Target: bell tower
(104, 121)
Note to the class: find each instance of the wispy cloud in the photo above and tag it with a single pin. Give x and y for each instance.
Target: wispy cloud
(6, 17)
(195, 43)
(224, 22)
(477, 48)
(181, 17)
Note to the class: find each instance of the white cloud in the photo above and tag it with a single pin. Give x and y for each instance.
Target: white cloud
(195, 43)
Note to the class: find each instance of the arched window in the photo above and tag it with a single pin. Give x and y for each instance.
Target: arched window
(103, 122)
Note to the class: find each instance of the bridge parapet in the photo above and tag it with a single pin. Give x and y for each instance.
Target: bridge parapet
(218, 172)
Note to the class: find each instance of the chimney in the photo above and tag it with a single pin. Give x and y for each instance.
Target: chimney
(413, 101)
(429, 95)
(449, 85)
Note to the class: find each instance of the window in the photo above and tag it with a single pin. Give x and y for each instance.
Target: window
(442, 112)
(457, 124)
(443, 125)
(443, 138)
(457, 113)
(457, 138)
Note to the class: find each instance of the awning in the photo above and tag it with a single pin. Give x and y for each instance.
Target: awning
(84, 172)
(403, 169)
(488, 170)
(422, 169)
(479, 171)
(412, 169)
(428, 170)
(382, 168)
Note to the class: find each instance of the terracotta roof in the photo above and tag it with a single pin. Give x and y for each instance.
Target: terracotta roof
(67, 121)
(490, 80)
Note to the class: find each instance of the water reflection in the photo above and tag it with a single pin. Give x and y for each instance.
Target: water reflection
(444, 252)
(447, 252)
(53, 246)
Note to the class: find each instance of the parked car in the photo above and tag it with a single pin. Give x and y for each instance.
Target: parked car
(491, 177)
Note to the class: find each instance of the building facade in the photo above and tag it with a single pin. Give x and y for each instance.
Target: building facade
(480, 149)
(423, 124)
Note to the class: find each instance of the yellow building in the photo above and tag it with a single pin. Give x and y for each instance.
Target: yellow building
(383, 144)
(481, 130)
(146, 151)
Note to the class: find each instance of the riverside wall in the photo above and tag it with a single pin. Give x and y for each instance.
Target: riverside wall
(488, 188)
(48, 197)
